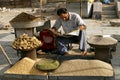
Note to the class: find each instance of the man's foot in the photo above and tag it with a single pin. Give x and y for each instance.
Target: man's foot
(84, 53)
(66, 54)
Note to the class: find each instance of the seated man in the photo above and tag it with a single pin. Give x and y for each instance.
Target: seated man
(70, 21)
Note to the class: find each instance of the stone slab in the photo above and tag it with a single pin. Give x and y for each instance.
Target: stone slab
(115, 22)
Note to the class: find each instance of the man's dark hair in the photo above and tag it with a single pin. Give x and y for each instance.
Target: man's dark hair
(61, 10)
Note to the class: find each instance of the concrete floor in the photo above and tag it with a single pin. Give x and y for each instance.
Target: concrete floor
(93, 27)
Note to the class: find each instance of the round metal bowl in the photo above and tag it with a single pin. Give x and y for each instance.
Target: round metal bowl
(47, 64)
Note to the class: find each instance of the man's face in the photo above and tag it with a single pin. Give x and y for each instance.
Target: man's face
(64, 16)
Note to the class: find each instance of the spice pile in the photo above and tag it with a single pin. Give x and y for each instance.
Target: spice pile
(25, 66)
(25, 42)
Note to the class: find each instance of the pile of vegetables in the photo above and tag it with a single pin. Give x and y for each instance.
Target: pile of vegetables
(25, 42)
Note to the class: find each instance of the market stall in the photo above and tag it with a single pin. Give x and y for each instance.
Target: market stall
(60, 70)
(25, 23)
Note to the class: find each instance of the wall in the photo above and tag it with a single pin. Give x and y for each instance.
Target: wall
(75, 7)
(118, 9)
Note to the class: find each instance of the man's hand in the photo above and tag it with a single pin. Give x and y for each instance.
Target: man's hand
(54, 32)
(82, 27)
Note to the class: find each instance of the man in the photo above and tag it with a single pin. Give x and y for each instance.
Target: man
(70, 22)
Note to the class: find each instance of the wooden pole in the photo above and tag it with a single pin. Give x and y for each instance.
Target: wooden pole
(40, 6)
(8, 59)
(81, 8)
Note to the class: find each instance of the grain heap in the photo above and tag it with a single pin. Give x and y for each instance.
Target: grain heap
(25, 66)
(79, 67)
(25, 42)
(24, 17)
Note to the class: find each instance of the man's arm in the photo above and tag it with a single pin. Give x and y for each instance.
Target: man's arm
(57, 24)
(80, 22)
(54, 31)
(55, 27)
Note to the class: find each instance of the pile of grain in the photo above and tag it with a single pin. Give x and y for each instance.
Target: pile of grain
(25, 66)
(80, 67)
(24, 17)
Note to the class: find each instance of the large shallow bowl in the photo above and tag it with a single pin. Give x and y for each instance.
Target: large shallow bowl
(47, 64)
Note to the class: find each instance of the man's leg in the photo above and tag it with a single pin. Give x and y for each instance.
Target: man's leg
(61, 45)
(61, 48)
(83, 41)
